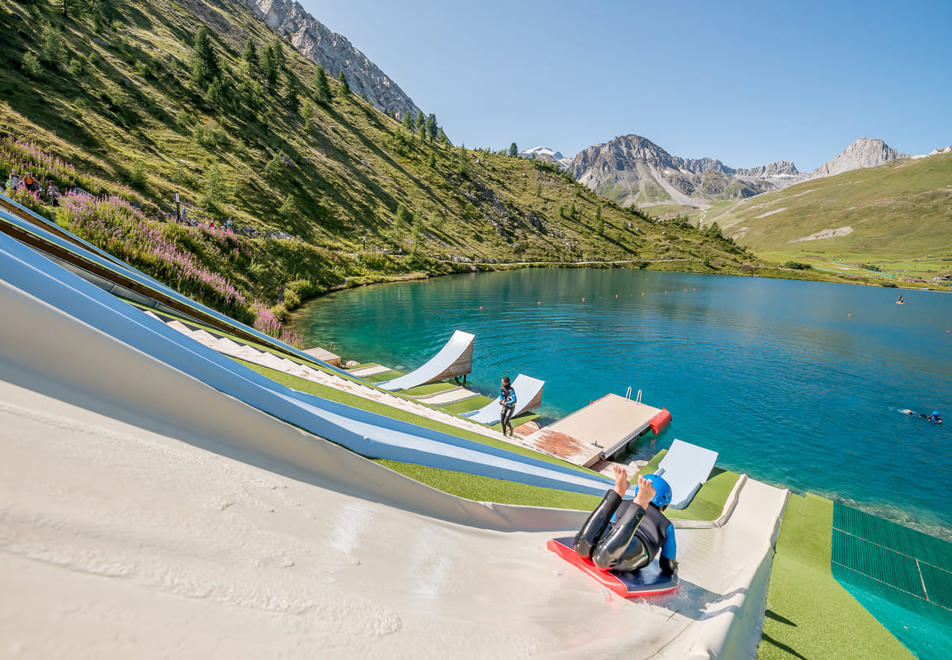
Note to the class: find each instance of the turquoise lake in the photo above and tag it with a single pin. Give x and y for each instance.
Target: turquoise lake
(798, 384)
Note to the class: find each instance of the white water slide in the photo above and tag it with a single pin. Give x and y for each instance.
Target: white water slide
(528, 397)
(148, 513)
(454, 359)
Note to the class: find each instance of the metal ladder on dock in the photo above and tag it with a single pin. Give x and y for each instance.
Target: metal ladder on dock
(628, 395)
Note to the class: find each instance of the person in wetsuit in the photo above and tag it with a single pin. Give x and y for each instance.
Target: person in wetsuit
(640, 531)
(507, 399)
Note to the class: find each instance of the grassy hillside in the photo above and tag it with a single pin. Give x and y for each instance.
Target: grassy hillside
(322, 192)
(896, 218)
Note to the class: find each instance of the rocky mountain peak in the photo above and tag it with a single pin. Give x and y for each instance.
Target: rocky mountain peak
(334, 52)
(864, 152)
(547, 154)
(634, 170)
(779, 169)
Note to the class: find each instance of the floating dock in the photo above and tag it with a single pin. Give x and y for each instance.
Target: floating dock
(599, 430)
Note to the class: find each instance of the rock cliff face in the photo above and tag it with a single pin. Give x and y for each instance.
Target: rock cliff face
(634, 170)
(334, 52)
(864, 152)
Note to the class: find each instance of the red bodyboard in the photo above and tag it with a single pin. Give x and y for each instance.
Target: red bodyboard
(648, 581)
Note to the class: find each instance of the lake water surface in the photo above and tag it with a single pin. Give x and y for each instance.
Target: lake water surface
(795, 383)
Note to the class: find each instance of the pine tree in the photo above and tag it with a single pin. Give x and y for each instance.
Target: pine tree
(52, 49)
(307, 111)
(322, 90)
(431, 161)
(344, 89)
(408, 121)
(250, 55)
(443, 139)
(291, 99)
(422, 132)
(278, 51)
(513, 150)
(420, 120)
(205, 66)
(431, 127)
(271, 68)
(599, 222)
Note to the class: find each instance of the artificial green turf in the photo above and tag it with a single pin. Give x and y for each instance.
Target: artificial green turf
(333, 394)
(486, 489)
(430, 388)
(809, 615)
(466, 405)
(708, 502)
(382, 376)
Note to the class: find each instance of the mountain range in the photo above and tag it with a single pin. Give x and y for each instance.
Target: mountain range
(628, 169)
(633, 170)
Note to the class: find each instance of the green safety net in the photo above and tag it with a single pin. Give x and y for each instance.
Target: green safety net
(902, 576)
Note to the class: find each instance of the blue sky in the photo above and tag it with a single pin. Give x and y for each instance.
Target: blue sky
(745, 82)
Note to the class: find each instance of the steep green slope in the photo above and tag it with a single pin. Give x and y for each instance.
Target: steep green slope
(896, 217)
(324, 192)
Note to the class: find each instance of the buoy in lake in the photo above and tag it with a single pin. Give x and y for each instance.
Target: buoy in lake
(583, 299)
(849, 315)
(480, 306)
(539, 303)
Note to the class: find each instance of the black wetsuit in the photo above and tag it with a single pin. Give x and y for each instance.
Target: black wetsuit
(507, 396)
(631, 542)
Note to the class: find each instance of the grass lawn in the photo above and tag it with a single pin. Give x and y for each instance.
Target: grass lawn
(466, 405)
(809, 615)
(486, 489)
(430, 388)
(382, 376)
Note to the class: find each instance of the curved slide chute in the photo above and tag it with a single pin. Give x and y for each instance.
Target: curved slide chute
(454, 359)
(528, 397)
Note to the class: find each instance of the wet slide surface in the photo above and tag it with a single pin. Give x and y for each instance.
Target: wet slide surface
(126, 541)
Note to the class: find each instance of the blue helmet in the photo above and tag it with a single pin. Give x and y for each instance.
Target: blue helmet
(662, 496)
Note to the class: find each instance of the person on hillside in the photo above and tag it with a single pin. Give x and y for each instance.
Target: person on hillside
(625, 535)
(13, 182)
(31, 183)
(507, 399)
(52, 193)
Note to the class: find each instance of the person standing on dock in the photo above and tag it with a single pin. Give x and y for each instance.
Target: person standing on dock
(507, 399)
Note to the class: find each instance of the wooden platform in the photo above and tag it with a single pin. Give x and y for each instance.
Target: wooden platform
(324, 355)
(599, 430)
